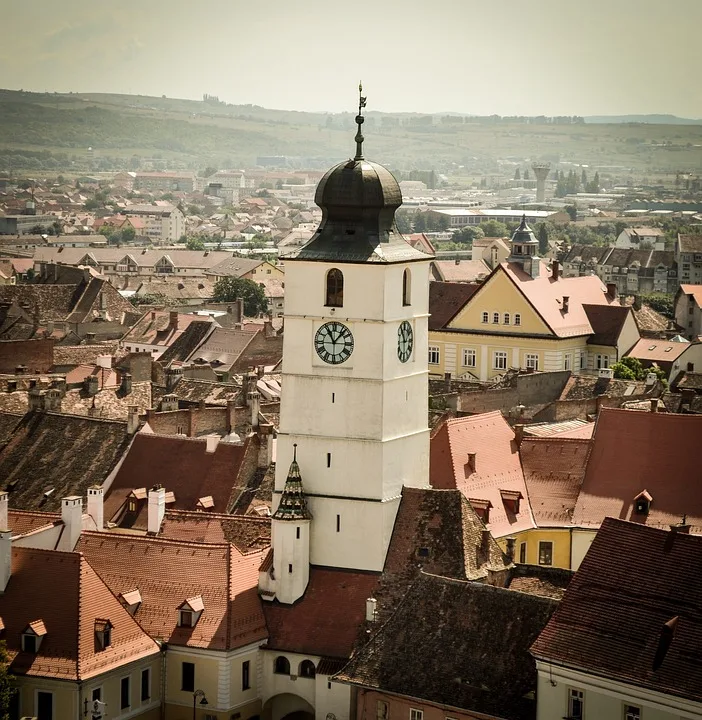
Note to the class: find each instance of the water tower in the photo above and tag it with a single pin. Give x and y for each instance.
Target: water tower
(541, 171)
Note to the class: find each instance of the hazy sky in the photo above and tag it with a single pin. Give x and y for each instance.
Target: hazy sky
(552, 57)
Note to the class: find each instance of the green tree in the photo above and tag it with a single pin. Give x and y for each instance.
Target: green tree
(494, 228)
(232, 288)
(622, 371)
(128, 234)
(404, 221)
(543, 239)
(467, 234)
(8, 686)
(526, 174)
(517, 175)
(662, 303)
(572, 212)
(195, 243)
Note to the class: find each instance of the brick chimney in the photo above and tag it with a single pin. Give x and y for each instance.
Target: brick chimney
(4, 506)
(612, 290)
(254, 402)
(126, 384)
(472, 460)
(518, 434)
(91, 385)
(95, 506)
(654, 405)
(173, 320)
(157, 509)
(510, 548)
(72, 518)
(637, 302)
(555, 269)
(132, 419)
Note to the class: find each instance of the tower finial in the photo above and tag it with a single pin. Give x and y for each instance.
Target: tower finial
(359, 121)
(294, 452)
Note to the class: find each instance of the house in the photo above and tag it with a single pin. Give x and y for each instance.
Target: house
(638, 238)
(688, 255)
(672, 356)
(246, 268)
(159, 181)
(524, 316)
(688, 310)
(491, 250)
(460, 270)
(157, 330)
(621, 643)
(76, 651)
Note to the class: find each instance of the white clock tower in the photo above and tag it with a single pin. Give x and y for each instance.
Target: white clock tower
(354, 397)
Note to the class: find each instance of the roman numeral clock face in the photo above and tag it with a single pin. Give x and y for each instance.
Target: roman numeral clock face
(333, 343)
(405, 341)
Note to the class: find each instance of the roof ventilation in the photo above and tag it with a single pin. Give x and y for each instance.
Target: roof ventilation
(665, 641)
(642, 502)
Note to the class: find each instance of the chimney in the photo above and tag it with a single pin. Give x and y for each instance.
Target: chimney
(371, 609)
(72, 518)
(637, 302)
(682, 527)
(518, 434)
(89, 338)
(173, 375)
(90, 385)
(20, 370)
(95, 508)
(566, 303)
(555, 269)
(447, 382)
(612, 290)
(157, 509)
(132, 419)
(510, 549)
(4, 504)
(654, 405)
(254, 402)
(173, 320)
(485, 541)
(126, 384)
(211, 442)
(5, 558)
(104, 361)
(458, 261)
(231, 415)
(240, 309)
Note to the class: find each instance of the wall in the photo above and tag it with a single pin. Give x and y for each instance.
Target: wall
(560, 537)
(35, 355)
(399, 706)
(581, 541)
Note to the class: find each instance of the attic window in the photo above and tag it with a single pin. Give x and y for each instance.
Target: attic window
(205, 503)
(482, 508)
(668, 349)
(103, 633)
(642, 503)
(511, 499)
(131, 601)
(32, 636)
(652, 347)
(189, 612)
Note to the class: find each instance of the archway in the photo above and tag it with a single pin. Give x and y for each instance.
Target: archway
(287, 706)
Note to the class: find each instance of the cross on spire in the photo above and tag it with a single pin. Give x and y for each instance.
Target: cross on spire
(359, 121)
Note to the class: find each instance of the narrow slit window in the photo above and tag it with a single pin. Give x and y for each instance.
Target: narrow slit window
(297, 533)
(406, 288)
(328, 460)
(333, 397)
(338, 523)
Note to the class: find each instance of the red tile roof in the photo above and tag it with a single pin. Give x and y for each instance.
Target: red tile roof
(22, 522)
(633, 451)
(658, 350)
(445, 300)
(553, 469)
(326, 620)
(695, 291)
(497, 466)
(612, 620)
(183, 466)
(68, 650)
(168, 572)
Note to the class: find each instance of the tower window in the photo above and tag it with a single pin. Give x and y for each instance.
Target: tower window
(406, 288)
(338, 523)
(290, 568)
(297, 533)
(333, 397)
(335, 288)
(328, 460)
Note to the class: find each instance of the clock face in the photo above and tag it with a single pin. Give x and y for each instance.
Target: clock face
(405, 341)
(333, 343)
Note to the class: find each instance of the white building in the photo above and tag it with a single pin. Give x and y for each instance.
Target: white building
(162, 223)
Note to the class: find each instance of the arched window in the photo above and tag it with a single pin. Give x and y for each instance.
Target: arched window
(406, 288)
(282, 666)
(306, 669)
(335, 288)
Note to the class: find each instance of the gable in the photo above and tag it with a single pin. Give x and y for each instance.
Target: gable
(499, 294)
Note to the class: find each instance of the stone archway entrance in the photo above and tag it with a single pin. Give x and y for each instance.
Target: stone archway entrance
(287, 706)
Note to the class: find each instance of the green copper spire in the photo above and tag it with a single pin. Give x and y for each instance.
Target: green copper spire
(293, 505)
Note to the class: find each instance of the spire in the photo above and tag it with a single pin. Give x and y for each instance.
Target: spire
(359, 121)
(293, 505)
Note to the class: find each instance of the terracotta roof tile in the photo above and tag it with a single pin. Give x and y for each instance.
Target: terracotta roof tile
(22, 522)
(67, 620)
(446, 299)
(690, 243)
(496, 466)
(246, 532)
(633, 580)
(633, 451)
(656, 350)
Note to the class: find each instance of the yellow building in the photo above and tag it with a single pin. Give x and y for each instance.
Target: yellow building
(75, 650)
(527, 316)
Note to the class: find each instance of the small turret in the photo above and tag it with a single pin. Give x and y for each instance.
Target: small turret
(523, 249)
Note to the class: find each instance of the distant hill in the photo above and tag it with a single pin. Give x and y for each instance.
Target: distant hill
(651, 119)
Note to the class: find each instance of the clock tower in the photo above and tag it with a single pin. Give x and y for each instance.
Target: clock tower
(354, 390)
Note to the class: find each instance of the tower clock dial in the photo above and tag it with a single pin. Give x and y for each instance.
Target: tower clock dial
(405, 341)
(333, 343)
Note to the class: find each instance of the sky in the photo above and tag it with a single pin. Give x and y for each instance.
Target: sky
(507, 57)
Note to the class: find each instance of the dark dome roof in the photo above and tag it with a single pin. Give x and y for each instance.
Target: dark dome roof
(524, 234)
(358, 184)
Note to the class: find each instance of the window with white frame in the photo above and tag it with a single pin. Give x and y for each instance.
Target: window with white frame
(531, 361)
(602, 361)
(496, 318)
(469, 357)
(517, 319)
(416, 714)
(632, 712)
(581, 360)
(576, 704)
(44, 705)
(506, 318)
(499, 360)
(434, 355)
(567, 362)
(486, 317)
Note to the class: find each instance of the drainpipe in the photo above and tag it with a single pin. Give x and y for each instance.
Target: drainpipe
(164, 647)
(80, 699)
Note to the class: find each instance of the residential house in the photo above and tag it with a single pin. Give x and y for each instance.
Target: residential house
(622, 644)
(688, 255)
(524, 316)
(76, 652)
(688, 310)
(162, 223)
(638, 238)
(162, 181)
(491, 250)
(460, 270)
(672, 356)
(157, 330)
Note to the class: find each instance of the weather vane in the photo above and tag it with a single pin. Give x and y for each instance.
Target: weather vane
(359, 122)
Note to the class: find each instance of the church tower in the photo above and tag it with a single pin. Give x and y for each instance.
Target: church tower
(354, 397)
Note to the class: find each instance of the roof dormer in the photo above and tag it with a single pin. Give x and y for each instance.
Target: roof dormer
(510, 499)
(131, 601)
(642, 503)
(103, 633)
(32, 636)
(189, 611)
(205, 503)
(482, 508)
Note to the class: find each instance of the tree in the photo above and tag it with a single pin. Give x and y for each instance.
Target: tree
(517, 175)
(232, 288)
(8, 685)
(128, 234)
(195, 243)
(543, 239)
(526, 174)
(494, 228)
(572, 212)
(622, 371)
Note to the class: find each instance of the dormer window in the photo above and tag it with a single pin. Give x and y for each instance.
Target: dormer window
(189, 612)
(33, 636)
(642, 503)
(205, 503)
(103, 633)
(482, 508)
(131, 601)
(511, 499)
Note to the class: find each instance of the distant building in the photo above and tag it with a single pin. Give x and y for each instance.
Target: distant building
(164, 181)
(24, 224)
(641, 238)
(688, 310)
(162, 223)
(688, 254)
(463, 217)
